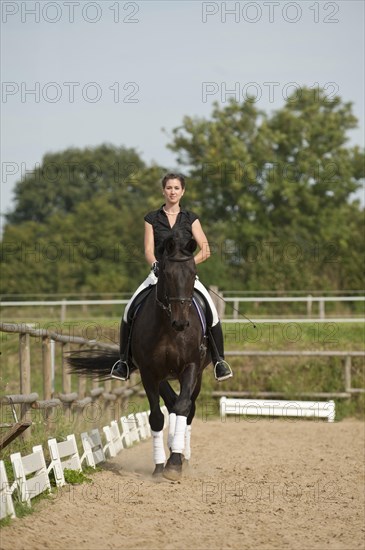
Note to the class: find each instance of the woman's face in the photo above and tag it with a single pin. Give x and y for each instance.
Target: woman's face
(173, 191)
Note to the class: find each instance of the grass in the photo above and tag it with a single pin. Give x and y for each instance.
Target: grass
(73, 477)
(291, 375)
(294, 336)
(296, 375)
(238, 336)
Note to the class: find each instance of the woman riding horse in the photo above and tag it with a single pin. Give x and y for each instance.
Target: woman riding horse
(160, 224)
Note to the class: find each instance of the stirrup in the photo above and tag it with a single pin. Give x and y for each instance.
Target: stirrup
(228, 373)
(115, 368)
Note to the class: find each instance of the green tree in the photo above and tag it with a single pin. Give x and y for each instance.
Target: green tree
(275, 191)
(80, 234)
(65, 179)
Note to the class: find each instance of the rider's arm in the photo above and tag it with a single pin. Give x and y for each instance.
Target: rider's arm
(202, 241)
(149, 244)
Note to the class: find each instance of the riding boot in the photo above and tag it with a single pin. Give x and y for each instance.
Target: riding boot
(222, 370)
(121, 370)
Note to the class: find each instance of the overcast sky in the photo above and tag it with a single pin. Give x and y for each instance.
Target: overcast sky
(77, 74)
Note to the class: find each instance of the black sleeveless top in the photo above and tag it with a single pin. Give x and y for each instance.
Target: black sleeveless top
(162, 230)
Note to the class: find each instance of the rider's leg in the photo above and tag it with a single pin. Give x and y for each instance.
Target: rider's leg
(122, 368)
(222, 370)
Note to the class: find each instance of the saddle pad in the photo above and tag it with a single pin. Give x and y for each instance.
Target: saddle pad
(198, 302)
(201, 314)
(138, 302)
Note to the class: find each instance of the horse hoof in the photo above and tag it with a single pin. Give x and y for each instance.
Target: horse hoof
(185, 463)
(158, 471)
(173, 468)
(172, 473)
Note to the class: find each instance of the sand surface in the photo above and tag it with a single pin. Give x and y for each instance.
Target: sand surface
(255, 484)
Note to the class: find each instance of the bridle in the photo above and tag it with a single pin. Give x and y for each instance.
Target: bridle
(182, 299)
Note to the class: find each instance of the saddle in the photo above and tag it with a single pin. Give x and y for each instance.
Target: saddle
(203, 309)
(199, 302)
(137, 302)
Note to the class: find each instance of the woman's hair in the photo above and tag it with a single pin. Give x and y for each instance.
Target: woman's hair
(172, 176)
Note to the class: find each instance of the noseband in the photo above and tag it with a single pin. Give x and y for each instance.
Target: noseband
(182, 299)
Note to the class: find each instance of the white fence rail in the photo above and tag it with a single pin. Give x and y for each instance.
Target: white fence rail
(235, 300)
(309, 300)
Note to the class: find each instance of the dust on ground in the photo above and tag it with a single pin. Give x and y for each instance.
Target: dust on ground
(263, 484)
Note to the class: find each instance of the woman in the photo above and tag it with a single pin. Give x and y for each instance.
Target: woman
(159, 225)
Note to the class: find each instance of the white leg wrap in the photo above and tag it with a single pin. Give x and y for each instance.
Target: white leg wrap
(178, 442)
(187, 451)
(159, 455)
(172, 425)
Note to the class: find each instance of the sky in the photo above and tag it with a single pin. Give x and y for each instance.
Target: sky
(83, 73)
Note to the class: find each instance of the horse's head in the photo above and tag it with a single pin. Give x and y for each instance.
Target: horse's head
(177, 276)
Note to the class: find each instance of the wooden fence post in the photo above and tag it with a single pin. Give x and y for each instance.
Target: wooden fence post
(24, 362)
(236, 307)
(66, 377)
(63, 311)
(46, 361)
(107, 404)
(309, 305)
(81, 387)
(348, 373)
(322, 313)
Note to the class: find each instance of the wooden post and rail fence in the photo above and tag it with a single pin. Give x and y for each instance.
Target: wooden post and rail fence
(113, 389)
(109, 392)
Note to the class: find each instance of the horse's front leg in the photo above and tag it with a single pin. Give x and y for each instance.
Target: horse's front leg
(187, 450)
(182, 409)
(156, 420)
(172, 422)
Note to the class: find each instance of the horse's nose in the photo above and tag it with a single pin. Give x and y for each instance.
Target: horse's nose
(179, 325)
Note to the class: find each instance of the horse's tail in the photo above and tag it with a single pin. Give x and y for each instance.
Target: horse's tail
(92, 363)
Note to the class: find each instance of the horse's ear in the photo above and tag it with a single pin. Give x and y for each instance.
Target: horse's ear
(191, 246)
(170, 245)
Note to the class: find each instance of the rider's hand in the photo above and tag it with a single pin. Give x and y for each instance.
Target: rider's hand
(155, 268)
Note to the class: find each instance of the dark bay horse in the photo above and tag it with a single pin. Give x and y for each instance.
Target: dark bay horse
(168, 342)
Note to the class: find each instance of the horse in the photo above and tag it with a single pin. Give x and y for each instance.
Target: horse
(168, 342)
